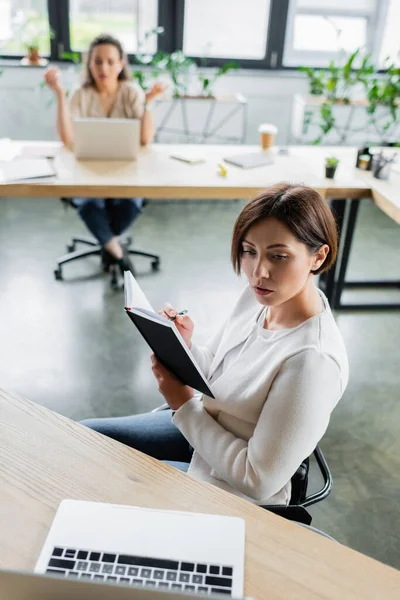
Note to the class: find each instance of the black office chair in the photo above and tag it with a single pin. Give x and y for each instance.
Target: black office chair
(96, 250)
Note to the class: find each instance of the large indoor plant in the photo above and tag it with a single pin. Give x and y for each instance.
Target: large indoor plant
(339, 83)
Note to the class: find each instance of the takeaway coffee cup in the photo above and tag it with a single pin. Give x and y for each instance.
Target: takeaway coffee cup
(267, 133)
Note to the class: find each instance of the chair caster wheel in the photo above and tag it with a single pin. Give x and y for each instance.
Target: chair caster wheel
(58, 274)
(71, 248)
(155, 265)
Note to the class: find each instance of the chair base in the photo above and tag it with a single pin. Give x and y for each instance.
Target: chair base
(95, 249)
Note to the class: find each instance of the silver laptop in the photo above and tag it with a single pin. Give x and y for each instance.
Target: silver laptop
(167, 551)
(106, 139)
(16, 585)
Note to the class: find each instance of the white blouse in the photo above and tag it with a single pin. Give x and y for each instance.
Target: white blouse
(129, 103)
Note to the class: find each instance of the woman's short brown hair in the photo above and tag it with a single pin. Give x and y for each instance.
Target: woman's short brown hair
(100, 40)
(301, 209)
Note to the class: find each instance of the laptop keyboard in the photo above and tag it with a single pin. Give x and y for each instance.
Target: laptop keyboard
(159, 573)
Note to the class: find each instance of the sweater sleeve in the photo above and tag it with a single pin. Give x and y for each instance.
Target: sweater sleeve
(204, 355)
(294, 418)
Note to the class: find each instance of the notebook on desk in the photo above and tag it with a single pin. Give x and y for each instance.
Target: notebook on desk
(163, 337)
(25, 168)
(249, 160)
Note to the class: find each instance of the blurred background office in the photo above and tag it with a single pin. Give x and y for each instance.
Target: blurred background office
(324, 72)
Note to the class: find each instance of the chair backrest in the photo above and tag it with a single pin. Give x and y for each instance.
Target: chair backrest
(300, 481)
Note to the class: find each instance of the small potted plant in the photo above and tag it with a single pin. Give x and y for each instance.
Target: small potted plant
(331, 164)
(33, 35)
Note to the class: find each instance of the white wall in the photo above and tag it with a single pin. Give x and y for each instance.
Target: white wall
(28, 112)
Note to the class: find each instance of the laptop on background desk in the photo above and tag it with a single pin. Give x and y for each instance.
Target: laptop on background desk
(106, 139)
(167, 551)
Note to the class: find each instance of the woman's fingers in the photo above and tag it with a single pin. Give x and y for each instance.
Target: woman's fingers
(168, 310)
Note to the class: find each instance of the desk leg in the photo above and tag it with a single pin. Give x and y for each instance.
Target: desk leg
(341, 280)
(345, 252)
(327, 280)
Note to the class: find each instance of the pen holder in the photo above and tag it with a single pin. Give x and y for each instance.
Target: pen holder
(380, 168)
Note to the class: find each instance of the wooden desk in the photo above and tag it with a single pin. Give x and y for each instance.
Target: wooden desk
(45, 458)
(156, 175)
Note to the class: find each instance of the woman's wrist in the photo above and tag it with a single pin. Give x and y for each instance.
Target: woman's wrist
(59, 92)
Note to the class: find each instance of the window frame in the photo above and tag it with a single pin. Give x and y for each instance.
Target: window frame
(275, 38)
(309, 58)
(171, 17)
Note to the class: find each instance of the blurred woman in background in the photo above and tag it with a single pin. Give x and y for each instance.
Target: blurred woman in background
(106, 92)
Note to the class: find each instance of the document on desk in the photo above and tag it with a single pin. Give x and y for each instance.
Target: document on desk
(25, 168)
(40, 150)
(8, 150)
(163, 337)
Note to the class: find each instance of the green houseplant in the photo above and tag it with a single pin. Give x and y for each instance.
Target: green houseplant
(337, 85)
(316, 80)
(208, 81)
(178, 67)
(331, 163)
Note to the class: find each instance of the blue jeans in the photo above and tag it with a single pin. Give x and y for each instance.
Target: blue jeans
(151, 433)
(108, 218)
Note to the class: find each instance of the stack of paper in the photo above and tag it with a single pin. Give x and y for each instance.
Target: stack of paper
(25, 168)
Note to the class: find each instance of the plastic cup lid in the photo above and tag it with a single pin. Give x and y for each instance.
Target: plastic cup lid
(267, 128)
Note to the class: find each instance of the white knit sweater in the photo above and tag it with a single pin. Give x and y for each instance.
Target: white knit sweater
(272, 401)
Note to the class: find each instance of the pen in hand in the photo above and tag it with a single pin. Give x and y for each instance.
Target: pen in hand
(179, 314)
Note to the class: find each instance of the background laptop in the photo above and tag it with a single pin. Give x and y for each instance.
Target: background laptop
(250, 160)
(106, 139)
(156, 549)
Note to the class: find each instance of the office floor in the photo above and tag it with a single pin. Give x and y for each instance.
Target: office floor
(70, 347)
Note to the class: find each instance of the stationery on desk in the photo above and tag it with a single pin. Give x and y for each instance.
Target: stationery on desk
(163, 337)
(250, 160)
(25, 168)
(190, 159)
(8, 150)
(40, 150)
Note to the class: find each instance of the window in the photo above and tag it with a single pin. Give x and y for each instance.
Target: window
(320, 30)
(23, 24)
(226, 28)
(329, 34)
(390, 36)
(128, 20)
(263, 34)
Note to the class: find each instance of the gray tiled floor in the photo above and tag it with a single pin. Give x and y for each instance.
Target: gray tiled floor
(69, 346)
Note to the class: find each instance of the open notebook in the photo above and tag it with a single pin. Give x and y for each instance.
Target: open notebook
(163, 337)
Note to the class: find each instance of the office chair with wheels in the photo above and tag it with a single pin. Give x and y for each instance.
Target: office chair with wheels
(299, 501)
(95, 249)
